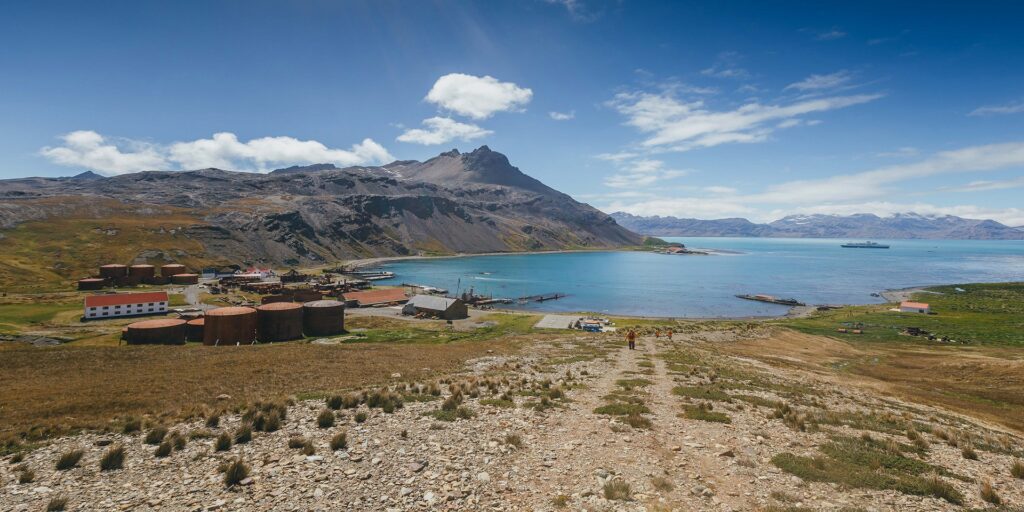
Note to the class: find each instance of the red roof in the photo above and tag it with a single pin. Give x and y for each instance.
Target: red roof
(382, 296)
(914, 305)
(120, 299)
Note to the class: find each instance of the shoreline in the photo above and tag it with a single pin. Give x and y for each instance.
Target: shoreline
(370, 262)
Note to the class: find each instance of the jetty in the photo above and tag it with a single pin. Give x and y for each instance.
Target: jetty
(771, 299)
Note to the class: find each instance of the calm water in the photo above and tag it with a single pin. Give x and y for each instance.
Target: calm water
(815, 271)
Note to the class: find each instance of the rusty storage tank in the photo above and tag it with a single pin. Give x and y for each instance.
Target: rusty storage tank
(91, 283)
(323, 317)
(279, 321)
(172, 269)
(194, 329)
(185, 279)
(228, 326)
(163, 331)
(141, 273)
(113, 271)
(124, 333)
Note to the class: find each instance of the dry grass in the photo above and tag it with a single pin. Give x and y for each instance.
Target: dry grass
(48, 391)
(57, 504)
(617, 490)
(982, 381)
(69, 459)
(235, 472)
(113, 458)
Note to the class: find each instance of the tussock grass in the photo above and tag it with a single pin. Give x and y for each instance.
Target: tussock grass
(1017, 469)
(335, 402)
(213, 421)
(460, 413)
(69, 459)
(57, 504)
(325, 419)
(223, 442)
(637, 421)
(235, 472)
(113, 458)
(131, 425)
(155, 435)
(360, 417)
(340, 441)
(26, 476)
(617, 490)
(514, 440)
(243, 434)
(163, 450)
(662, 484)
(988, 494)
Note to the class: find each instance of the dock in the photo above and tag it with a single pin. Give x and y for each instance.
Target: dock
(771, 299)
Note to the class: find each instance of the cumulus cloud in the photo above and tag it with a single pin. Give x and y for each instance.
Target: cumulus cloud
(562, 116)
(477, 97)
(678, 125)
(88, 149)
(440, 130)
(1009, 108)
(822, 82)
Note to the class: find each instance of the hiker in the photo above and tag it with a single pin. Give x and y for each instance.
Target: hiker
(670, 334)
(631, 338)
(657, 333)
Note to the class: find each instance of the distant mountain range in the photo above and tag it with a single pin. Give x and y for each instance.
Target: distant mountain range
(475, 202)
(858, 226)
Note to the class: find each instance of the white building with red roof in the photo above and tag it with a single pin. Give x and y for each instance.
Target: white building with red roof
(125, 304)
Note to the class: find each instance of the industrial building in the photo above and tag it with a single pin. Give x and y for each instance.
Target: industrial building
(375, 297)
(125, 304)
(915, 307)
(436, 307)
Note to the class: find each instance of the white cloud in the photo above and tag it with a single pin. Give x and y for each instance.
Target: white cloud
(725, 71)
(562, 116)
(640, 173)
(440, 130)
(985, 185)
(901, 152)
(1009, 108)
(617, 157)
(477, 97)
(577, 9)
(88, 149)
(822, 82)
(91, 150)
(830, 35)
(681, 126)
(878, 182)
(864, 192)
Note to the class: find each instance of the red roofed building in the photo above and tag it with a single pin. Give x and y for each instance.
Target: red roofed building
(125, 304)
(914, 307)
(376, 297)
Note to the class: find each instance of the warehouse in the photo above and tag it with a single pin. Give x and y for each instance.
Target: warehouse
(125, 304)
(436, 307)
(378, 297)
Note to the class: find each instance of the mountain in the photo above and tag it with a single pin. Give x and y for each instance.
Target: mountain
(453, 203)
(858, 226)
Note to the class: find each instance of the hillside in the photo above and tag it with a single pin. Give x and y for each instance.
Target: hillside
(60, 228)
(863, 225)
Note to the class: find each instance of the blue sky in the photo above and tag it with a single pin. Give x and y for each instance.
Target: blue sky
(706, 110)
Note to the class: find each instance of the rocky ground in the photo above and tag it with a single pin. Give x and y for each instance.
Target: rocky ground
(577, 424)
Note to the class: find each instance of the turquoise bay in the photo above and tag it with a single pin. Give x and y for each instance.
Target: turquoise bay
(816, 271)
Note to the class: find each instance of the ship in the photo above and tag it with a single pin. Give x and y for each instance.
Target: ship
(772, 300)
(864, 245)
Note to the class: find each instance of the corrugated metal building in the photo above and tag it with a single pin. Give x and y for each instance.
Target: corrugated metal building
(434, 306)
(375, 297)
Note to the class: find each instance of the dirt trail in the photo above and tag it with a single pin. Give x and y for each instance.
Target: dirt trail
(583, 450)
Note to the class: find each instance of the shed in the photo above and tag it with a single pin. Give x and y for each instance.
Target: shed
(440, 307)
(376, 297)
(914, 307)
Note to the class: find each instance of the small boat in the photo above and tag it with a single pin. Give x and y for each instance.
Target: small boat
(864, 245)
(772, 300)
